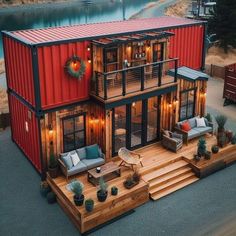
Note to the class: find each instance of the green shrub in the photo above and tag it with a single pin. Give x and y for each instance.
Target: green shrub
(102, 185)
(221, 120)
(77, 187)
(201, 146)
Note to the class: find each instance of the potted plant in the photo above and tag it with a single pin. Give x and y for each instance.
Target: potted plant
(197, 157)
(221, 120)
(77, 188)
(136, 176)
(207, 155)
(51, 197)
(53, 166)
(222, 140)
(233, 141)
(102, 191)
(201, 147)
(89, 204)
(132, 180)
(114, 190)
(44, 188)
(215, 149)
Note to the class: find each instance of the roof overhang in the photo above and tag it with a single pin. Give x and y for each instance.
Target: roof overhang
(109, 41)
(189, 74)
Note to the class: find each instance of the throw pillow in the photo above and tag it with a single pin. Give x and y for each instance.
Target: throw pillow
(166, 132)
(192, 122)
(75, 158)
(200, 122)
(81, 153)
(185, 126)
(67, 161)
(92, 152)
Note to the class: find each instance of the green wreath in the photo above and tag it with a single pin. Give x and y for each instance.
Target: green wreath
(75, 67)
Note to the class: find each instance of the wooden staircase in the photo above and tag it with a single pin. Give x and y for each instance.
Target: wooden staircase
(168, 177)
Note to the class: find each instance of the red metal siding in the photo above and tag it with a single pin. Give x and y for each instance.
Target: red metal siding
(27, 141)
(187, 45)
(56, 86)
(19, 69)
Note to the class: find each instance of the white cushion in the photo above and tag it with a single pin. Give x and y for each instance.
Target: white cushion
(200, 122)
(75, 158)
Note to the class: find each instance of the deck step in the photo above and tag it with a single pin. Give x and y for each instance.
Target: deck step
(158, 165)
(177, 186)
(162, 171)
(169, 177)
(171, 183)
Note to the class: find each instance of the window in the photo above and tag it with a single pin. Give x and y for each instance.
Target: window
(187, 104)
(73, 132)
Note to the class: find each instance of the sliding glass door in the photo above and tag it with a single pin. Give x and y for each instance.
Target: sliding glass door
(136, 124)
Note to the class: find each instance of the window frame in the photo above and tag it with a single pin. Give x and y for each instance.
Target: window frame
(187, 104)
(74, 130)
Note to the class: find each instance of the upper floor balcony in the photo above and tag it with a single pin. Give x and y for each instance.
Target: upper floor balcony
(134, 80)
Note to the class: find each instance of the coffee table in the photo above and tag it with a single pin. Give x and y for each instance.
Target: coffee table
(108, 171)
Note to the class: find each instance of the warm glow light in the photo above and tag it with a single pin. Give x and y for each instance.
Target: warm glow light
(102, 122)
(88, 48)
(133, 104)
(170, 105)
(89, 60)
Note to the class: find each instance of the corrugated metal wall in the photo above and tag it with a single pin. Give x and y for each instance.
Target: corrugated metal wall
(187, 45)
(25, 131)
(56, 86)
(19, 69)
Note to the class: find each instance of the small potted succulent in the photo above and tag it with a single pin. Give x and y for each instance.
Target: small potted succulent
(222, 140)
(207, 155)
(53, 166)
(132, 180)
(51, 197)
(215, 149)
(233, 141)
(77, 188)
(89, 204)
(196, 157)
(44, 188)
(201, 147)
(102, 191)
(114, 190)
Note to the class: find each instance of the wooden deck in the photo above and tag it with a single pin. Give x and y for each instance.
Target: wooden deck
(163, 173)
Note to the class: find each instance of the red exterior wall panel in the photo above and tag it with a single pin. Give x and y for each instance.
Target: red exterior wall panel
(19, 69)
(56, 86)
(28, 141)
(187, 45)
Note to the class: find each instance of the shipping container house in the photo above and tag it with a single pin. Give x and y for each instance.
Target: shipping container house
(114, 83)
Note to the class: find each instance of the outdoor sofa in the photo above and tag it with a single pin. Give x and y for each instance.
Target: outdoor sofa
(90, 157)
(195, 131)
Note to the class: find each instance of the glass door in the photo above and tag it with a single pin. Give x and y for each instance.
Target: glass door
(136, 124)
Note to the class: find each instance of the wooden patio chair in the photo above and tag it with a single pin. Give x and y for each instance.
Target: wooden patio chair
(128, 158)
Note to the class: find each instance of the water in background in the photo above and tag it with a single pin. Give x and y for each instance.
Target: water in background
(67, 14)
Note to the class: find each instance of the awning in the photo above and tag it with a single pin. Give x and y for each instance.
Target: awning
(108, 41)
(189, 74)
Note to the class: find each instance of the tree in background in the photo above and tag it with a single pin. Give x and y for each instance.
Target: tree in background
(223, 23)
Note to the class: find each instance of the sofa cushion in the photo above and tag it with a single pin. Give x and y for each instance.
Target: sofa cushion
(66, 159)
(177, 136)
(193, 133)
(192, 122)
(81, 153)
(91, 163)
(186, 126)
(80, 167)
(203, 130)
(75, 158)
(206, 121)
(200, 122)
(92, 151)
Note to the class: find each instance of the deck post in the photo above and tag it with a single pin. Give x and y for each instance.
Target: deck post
(142, 78)
(159, 74)
(176, 69)
(105, 86)
(123, 83)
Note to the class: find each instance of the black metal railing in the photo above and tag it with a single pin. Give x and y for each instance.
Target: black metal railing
(133, 79)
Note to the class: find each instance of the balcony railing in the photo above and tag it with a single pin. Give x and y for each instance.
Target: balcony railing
(133, 79)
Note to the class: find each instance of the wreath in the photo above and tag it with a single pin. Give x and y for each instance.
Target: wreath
(75, 67)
